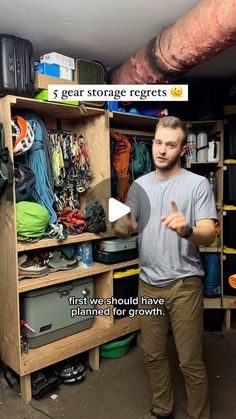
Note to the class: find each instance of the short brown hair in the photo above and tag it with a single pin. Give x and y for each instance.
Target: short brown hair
(174, 122)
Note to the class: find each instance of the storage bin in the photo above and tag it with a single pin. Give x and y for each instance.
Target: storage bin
(117, 348)
(230, 182)
(90, 72)
(229, 226)
(229, 268)
(116, 250)
(125, 290)
(49, 313)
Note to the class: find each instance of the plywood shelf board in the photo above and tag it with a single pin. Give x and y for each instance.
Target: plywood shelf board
(71, 239)
(54, 352)
(70, 275)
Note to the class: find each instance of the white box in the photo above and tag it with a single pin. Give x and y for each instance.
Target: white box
(59, 59)
(66, 73)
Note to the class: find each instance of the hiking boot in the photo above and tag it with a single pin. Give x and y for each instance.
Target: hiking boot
(154, 415)
(31, 266)
(59, 262)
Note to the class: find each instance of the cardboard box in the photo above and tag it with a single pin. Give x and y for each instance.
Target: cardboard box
(59, 59)
(42, 81)
(54, 70)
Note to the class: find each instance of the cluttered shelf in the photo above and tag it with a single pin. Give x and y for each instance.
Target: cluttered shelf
(45, 243)
(60, 277)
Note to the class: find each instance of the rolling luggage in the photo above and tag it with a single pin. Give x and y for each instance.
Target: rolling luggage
(16, 66)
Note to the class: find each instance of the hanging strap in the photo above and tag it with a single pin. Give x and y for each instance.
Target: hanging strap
(6, 159)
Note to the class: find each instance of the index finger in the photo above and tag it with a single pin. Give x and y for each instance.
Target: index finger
(174, 206)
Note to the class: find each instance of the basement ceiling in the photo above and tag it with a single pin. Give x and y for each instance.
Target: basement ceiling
(104, 30)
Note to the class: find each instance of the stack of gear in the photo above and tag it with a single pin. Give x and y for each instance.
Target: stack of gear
(39, 160)
(32, 220)
(70, 372)
(6, 166)
(39, 263)
(95, 217)
(24, 182)
(73, 220)
(71, 165)
(120, 161)
(42, 383)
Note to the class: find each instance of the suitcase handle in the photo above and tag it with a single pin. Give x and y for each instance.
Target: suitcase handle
(32, 72)
(30, 76)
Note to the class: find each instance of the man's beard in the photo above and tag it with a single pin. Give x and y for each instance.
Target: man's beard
(169, 166)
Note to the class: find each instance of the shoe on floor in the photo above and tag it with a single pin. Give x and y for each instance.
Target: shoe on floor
(154, 415)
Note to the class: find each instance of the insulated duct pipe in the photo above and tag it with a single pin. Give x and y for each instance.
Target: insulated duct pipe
(203, 32)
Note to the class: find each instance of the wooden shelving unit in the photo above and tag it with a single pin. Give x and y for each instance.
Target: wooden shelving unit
(95, 125)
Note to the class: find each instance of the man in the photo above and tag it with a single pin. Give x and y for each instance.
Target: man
(173, 210)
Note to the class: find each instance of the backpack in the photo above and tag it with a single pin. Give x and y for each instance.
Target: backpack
(141, 162)
(120, 162)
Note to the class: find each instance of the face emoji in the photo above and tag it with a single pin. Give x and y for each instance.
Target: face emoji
(176, 91)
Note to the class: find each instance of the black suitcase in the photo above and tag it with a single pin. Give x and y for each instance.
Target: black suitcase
(16, 66)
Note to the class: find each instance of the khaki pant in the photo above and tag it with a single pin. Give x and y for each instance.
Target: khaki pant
(183, 308)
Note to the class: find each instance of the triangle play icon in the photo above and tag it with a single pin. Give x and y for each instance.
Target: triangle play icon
(116, 209)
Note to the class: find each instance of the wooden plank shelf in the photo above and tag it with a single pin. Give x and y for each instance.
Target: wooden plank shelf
(71, 239)
(212, 302)
(72, 345)
(188, 165)
(208, 249)
(132, 121)
(229, 301)
(70, 275)
(51, 109)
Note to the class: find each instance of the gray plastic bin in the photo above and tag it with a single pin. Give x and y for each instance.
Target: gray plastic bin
(49, 313)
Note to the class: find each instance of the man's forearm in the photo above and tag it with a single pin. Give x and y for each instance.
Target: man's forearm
(125, 226)
(202, 235)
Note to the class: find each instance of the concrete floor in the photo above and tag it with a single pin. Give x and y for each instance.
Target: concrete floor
(121, 388)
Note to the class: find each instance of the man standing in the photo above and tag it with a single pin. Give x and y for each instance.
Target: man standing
(173, 210)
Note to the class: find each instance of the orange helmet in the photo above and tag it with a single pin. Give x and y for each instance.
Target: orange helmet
(22, 134)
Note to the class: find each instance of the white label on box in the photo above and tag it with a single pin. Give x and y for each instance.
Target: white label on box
(66, 73)
(59, 59)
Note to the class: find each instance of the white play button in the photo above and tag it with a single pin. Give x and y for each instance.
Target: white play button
(116, 210)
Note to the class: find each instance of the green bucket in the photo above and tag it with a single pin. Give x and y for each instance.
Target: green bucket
(117, 348)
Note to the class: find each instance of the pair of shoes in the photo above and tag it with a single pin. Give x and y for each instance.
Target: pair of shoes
(154, 415)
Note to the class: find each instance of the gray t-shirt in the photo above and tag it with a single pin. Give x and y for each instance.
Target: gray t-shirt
(164, 256)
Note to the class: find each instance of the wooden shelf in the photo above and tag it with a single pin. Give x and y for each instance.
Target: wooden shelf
(188, 165)
(131, 121)
(205, 249)
(70, 275)
(212, 302)
(229, 301)
(51, 109)
(72, 345)
(45, 243)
